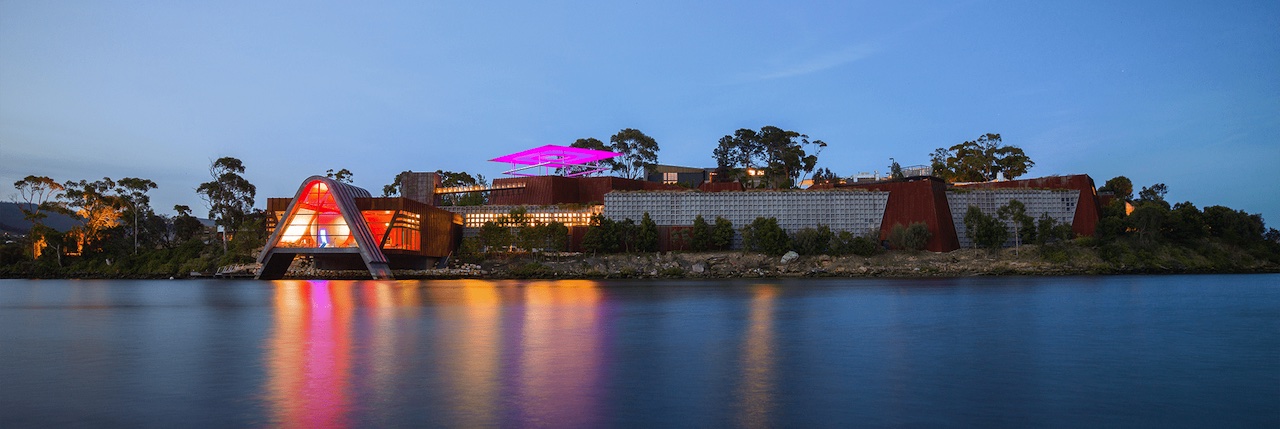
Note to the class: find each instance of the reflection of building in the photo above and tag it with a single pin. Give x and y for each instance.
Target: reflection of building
(342, 227)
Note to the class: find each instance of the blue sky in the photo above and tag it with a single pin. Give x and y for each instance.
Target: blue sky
(1181, 92)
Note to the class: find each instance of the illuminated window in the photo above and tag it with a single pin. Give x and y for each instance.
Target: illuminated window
(670, 178)
(316, 221)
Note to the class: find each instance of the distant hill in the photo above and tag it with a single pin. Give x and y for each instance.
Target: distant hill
(11, 220)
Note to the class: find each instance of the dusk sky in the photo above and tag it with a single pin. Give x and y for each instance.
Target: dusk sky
(1181, 92)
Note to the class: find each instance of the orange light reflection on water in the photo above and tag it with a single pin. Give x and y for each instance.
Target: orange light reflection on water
(309, 361)
(561, 361)
(756, 393)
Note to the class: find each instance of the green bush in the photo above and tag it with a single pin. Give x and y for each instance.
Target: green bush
(983, 230)
(722, 234)
(765, 236)
(532, 270)
(813, 241)
(846, 243)
(700, 236)
(913, 238)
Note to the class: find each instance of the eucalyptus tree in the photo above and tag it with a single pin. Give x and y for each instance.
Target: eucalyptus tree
(36, 194)
(229, 196)
(980, 160)
(342, 176)
(133, 191)
(97, 205)
(777, 157)
(639, 152)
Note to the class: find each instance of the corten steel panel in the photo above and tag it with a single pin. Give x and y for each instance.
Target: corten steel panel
(575, 238)
(435, 228)
(537, 191)
(591, 190)
(917, 200)
(721, 187)
(1088, 210)
(278, 204)
(669, 238)
(655, 186)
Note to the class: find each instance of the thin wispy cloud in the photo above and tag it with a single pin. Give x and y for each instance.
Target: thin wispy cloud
(842, 57)
(816, 64)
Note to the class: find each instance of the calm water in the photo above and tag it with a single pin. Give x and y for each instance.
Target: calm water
(1129, 351)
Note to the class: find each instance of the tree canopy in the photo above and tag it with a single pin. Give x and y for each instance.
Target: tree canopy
(450, 179)
(980, 160)
(639, 153)
(593, 143)
(229, 195)
(343, 175)
(1119, 186)
(776, 156)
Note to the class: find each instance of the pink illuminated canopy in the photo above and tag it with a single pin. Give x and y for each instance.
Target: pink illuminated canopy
(570, 160)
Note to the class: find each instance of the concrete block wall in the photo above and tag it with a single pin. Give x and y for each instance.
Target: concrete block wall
(1059, 204)
(856, 211)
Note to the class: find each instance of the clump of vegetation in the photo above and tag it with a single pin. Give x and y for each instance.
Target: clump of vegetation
(765, 236)
(846, 243)
(912, 238)
(985, 231)
(705, 237)
(532, 270)
(813, 241)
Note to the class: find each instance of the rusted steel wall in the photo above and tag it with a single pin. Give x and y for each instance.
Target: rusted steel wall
(540, 191)
(1088, 209)
(548, 190)
(436, 226)
(916, 200)
(720, 187)
(671, 238)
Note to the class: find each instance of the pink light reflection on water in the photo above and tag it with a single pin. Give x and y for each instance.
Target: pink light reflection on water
(309, 360)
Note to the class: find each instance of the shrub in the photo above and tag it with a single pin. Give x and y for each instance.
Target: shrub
(813, 241)
(647, 236)
(913, 238)
(846, 243)
(700, 236)
(722, 234)
(765, 236)
(984, 230)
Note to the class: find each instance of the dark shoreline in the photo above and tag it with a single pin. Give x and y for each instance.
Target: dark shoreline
(739, 265)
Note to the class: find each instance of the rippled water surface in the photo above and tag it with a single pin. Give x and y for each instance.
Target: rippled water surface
(1125, 351)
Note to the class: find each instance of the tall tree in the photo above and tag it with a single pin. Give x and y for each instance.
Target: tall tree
(185, 226)
(394, 188)
(133, 192)
(593, 143)
(450, 179)
(229, 195)
(824, 176)
(1119, 186)
(343, 175)
(1024, 227)
(980, 160)
(97, 205)
(647, 236)
(1154, 194)
(778, 157)
(35, 195)
(639, 152)
(895, 169)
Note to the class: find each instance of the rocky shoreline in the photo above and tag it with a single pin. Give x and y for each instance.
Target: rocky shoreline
(1027, 261)
(727, 265)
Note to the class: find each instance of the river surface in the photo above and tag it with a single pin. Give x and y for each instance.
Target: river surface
(1120, 351)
